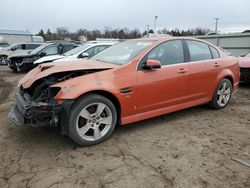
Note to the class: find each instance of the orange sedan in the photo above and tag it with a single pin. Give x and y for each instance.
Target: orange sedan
(128, 82)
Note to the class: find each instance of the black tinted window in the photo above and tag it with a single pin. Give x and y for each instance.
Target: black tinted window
(67, 48)
(198, 51)
(31, 46)
(215, 53)
(168, 53)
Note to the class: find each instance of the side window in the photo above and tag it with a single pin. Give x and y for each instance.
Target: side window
(198, 51)
(23, 46)
(90, 51)
(170, 52)
(17, 47)
(51, 50)
(31, 46)
(67, 48)
(215, 53)
(95, 50)
(99, 49)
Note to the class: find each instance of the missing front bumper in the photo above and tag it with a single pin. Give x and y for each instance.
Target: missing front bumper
(34, 113)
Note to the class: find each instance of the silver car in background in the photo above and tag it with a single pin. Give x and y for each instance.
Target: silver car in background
(16, 48)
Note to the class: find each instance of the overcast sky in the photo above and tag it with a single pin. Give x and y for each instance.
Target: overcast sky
(33, 15)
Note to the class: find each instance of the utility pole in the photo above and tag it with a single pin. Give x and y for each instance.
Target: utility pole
(155, 25)
(216, 25)
(86, 35)
(147, 30)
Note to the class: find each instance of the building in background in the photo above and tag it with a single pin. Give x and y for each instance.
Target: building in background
(237, 43)
(15, 36)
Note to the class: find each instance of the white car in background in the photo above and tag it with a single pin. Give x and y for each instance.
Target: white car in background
(84, 51)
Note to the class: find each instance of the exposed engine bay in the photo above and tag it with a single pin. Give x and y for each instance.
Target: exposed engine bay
(36, 105)
(40, 90)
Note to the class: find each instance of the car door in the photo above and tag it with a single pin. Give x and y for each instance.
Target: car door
(166, 86)
(205, 64)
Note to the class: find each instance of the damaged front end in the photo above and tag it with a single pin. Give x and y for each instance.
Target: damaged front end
(43, 110)
(37, 105)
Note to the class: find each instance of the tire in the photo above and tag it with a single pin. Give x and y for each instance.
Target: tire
(14, 69)
(88, 125)
(3, 60)
(222, 94)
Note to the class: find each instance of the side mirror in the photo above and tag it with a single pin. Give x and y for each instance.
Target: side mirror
(152, 64)
(84, 55)
(42, 54)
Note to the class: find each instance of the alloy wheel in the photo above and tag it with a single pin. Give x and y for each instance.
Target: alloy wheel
(223, 94)
(94, 121)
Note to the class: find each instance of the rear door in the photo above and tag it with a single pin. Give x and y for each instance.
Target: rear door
(205, 64)
(167, 86)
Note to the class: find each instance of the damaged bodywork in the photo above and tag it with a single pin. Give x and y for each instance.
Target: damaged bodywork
(36, 101)
(128, 82)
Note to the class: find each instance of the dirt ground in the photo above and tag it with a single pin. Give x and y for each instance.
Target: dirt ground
(189, 148)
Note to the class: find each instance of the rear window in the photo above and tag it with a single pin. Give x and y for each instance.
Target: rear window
(198, 51)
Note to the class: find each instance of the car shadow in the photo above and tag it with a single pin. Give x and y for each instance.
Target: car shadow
(51, 137)
(244, 85)
(163, 119)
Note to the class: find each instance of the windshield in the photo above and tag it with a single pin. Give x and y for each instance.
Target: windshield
(122, 53)
(77, 50)
(38, 49)
(11, 46)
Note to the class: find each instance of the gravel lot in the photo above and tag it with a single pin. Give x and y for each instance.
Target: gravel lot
(189, 148)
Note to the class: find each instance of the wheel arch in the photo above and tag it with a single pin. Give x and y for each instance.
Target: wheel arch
(230, 78)
(109, 96)
(70, 103)
(228, 74)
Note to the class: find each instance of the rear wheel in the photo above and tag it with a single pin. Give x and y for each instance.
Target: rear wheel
(222, 94)
(92, 120)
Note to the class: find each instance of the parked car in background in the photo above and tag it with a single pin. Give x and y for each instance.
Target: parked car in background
(3, 45)
(16, 48)
(83, 51)
(128, 82)
(25, 61)
(244, 63)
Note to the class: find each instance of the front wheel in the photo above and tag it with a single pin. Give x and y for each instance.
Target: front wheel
(222, 94)
(3, 60)
(92, 120)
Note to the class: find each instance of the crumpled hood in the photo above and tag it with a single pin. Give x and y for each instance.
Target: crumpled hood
(244, 62)
(47, 69)
(48, 58)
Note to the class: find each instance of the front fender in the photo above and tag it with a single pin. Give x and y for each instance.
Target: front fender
(77, 87)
